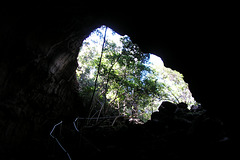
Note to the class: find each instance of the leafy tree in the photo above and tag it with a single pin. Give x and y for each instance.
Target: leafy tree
(118, 78)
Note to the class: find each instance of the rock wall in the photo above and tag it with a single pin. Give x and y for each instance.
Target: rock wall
(38, 81)
(39, 46)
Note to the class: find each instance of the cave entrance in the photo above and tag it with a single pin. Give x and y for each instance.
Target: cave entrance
(116, 78)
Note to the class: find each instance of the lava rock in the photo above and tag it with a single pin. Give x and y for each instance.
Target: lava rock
(196, 108)
(182, 105)
(167, 108)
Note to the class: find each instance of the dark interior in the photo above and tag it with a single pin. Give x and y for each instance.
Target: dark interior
(39, 48)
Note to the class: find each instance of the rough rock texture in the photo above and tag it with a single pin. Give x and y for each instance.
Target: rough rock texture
(39, 46)
(38, 82)
(174, 132)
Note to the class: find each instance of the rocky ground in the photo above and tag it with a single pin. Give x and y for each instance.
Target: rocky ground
(174, 132)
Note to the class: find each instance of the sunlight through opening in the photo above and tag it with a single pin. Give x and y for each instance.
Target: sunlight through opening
(116, 78)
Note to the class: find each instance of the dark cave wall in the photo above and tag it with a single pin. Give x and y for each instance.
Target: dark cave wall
(38, 82)
(38, 62)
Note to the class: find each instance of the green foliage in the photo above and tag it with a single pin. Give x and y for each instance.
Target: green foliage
(126, 83)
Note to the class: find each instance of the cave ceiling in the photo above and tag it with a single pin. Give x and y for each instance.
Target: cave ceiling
(188, 39)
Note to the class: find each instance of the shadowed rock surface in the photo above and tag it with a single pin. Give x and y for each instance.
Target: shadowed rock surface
(39, 48)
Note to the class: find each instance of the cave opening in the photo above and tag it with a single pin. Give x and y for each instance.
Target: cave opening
(116, 78)
(124, 90)
(40, 104)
